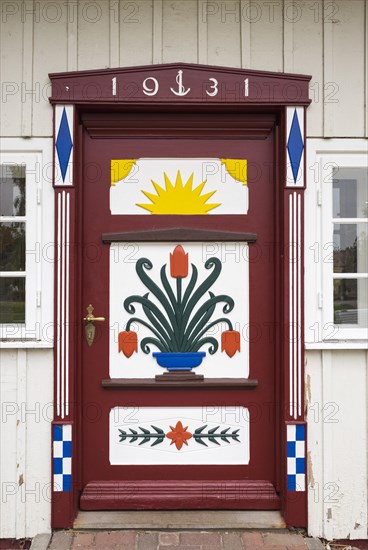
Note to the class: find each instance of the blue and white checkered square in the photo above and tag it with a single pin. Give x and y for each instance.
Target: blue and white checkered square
(62, 457)
(296, 457)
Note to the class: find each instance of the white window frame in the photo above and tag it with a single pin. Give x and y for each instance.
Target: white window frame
(36, 155)
(323, 156)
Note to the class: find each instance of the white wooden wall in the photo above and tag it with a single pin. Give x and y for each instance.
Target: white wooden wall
(26, 379)
(325, 39)
(336, 401)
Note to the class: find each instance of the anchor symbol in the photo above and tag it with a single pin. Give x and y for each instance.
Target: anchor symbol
(179, 80)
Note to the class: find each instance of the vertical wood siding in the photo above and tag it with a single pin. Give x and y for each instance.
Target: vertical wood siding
(336, 401)
(25, 467)
(325, 39)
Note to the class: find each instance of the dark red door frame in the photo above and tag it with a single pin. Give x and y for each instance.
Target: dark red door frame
(210, 91)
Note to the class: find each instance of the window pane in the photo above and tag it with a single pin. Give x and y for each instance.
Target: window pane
(12, 300)
(351, 302)
(350, 248)
(350, 193)
(12, 246)
(12, 190)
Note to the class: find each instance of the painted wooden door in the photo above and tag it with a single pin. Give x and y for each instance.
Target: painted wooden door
(179, 243)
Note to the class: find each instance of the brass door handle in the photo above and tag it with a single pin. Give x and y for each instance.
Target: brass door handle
(90, 317)
(89, 328)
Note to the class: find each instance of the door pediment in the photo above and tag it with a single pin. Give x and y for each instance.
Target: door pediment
(179, 83)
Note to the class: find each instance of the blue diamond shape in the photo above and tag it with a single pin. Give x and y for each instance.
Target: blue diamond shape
(295, 145)
(64, 144)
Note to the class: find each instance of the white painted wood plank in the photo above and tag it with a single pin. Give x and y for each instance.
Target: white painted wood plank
(28, 91)
(202, 32)
(157, 31)
(114, 33)
(25, 463)
(9, 408)
(21, 450)
(327, 477)
(315, 449)
(11, 70)
(223, 24)
(344, 66)
(366, 69)
(50, 55)
(346, 416)
(72, 39)
(93, 34)
(266, 24)
(245, 33)
(39, 414)
(303, 53)
(180, 31)
(136, 32)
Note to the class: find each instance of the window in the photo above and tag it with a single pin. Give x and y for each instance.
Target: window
(12, 243)
(25, 258)
(336, 243)
(350, 256)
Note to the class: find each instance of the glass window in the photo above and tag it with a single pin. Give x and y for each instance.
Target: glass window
(350, 240)
(12, 243)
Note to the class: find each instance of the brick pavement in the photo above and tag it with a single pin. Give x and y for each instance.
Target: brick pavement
(180, 540)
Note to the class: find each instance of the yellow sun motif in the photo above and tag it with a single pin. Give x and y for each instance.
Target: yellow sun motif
(237, 168)
(120, 169)
(179, 199)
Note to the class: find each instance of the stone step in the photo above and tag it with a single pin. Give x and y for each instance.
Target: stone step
(179, 520)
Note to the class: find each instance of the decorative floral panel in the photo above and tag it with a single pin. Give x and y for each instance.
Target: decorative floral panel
(178, 186)
(185, 435)
(179, 307)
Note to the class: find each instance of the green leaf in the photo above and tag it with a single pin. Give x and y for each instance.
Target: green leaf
(199, 430)
(158, 430)
(213, 430)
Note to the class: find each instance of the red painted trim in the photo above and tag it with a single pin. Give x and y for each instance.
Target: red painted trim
(180, 495)
(95, 87)
(296, 502)
(62, 513)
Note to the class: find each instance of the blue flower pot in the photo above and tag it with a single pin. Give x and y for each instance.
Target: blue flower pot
(179, 361)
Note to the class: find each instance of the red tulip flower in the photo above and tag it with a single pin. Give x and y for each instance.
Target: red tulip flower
(230, 342)
(128, 342)
(179, 262)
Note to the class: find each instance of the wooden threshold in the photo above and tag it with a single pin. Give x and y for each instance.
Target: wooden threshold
(188, 494)
(178, 520)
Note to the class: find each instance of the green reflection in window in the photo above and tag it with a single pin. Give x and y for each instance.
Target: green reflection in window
(12, 246)
(12, 300)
